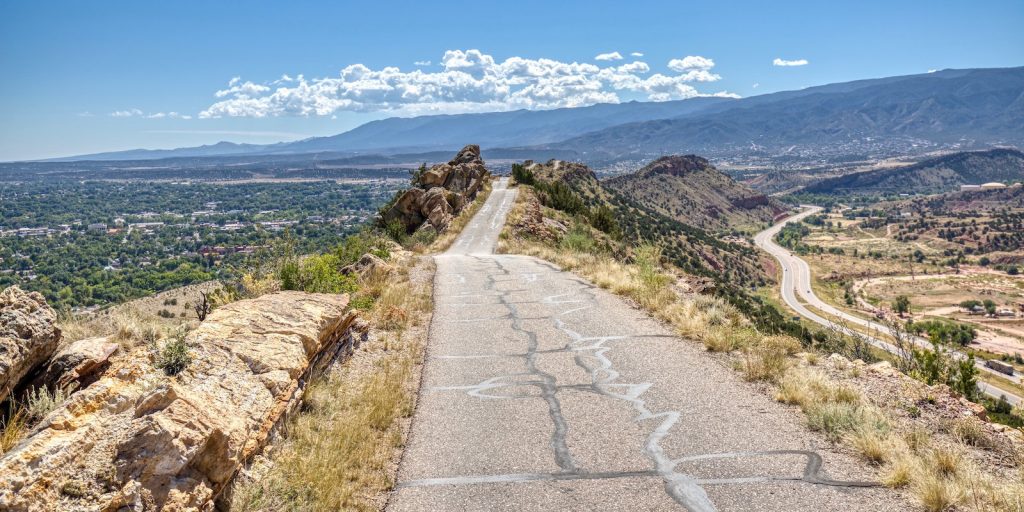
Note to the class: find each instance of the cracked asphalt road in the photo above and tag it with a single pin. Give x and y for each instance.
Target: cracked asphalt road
(542, 392)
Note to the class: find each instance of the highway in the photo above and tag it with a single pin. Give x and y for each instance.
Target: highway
(796, 285)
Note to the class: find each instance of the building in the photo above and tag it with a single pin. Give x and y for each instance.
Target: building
(992, 185)
(968, 188)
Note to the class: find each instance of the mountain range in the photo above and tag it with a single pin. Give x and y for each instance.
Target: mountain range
(964, 108)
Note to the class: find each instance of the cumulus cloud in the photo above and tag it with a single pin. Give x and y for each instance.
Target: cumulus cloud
(609, 56)
(691, 63)
(467, 81)
(786, 63)
(637, 54)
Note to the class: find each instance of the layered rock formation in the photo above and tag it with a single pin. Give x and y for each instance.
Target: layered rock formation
(440, 193)
(138, 438)
(28, 336)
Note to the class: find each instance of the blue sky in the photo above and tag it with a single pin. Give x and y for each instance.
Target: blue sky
(84, 77)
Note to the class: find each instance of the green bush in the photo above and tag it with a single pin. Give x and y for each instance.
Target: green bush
(174, 357)
(317, 274)
(578, 239)
(362, 302)
(603, 219)
(522, 175)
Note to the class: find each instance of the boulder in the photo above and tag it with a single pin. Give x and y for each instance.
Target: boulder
(441, 192)
(77, 365)
(436, 209)
(435, 177)
(28, 336)
(138, 438)
(407, 209)
(367, 264)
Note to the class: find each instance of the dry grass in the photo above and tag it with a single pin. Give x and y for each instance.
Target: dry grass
(768, 358)
(337, 452)
(935, 493)
(124, 324)
(971, 432)
(13, 427)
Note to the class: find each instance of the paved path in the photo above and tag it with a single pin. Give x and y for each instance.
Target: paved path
(796, 282)
(542, 392)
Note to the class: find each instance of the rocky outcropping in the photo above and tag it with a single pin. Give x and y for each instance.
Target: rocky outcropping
(28, 336)
(77, 365)
(440, 193)
(140, 439)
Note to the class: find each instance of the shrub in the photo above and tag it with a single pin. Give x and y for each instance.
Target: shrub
(971, 432)
(578, 239)
(421, 238)
(522, 175)
(174, 357)
(767, 360)
(603, 219)
(40, 402)
(361, 302)
(316, 274)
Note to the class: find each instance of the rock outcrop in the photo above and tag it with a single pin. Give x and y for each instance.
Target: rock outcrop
(440, 193)
(28, 336)
(77, 365)
(137, 438)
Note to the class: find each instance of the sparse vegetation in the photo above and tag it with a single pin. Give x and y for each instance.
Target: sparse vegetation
(936, 473)
(174, 356)
(335, 454)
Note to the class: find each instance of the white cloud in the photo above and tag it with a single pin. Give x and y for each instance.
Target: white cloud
(467, 81)
(756, 85)
(785, 63)
(422, 63)
(85, 114)
(169, 115)
(691, 63)
(637, 54)
(134, 112)
(609, 56)
(932, 70)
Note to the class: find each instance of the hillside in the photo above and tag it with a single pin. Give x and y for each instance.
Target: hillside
(897, 113)
(690, 190)
(730, 265)
(942, 174)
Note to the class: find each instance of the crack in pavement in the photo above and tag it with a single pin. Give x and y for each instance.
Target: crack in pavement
(494, 281)
(589, 353)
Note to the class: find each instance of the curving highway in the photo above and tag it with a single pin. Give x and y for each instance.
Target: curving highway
(796, 285)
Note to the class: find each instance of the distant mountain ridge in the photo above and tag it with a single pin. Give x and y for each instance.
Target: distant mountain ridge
(950, 106)
(971, 107)
(942, 174)
(441, 132)
(689, 189)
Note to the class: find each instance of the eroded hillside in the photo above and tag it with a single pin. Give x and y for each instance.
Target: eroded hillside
(689, 189)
